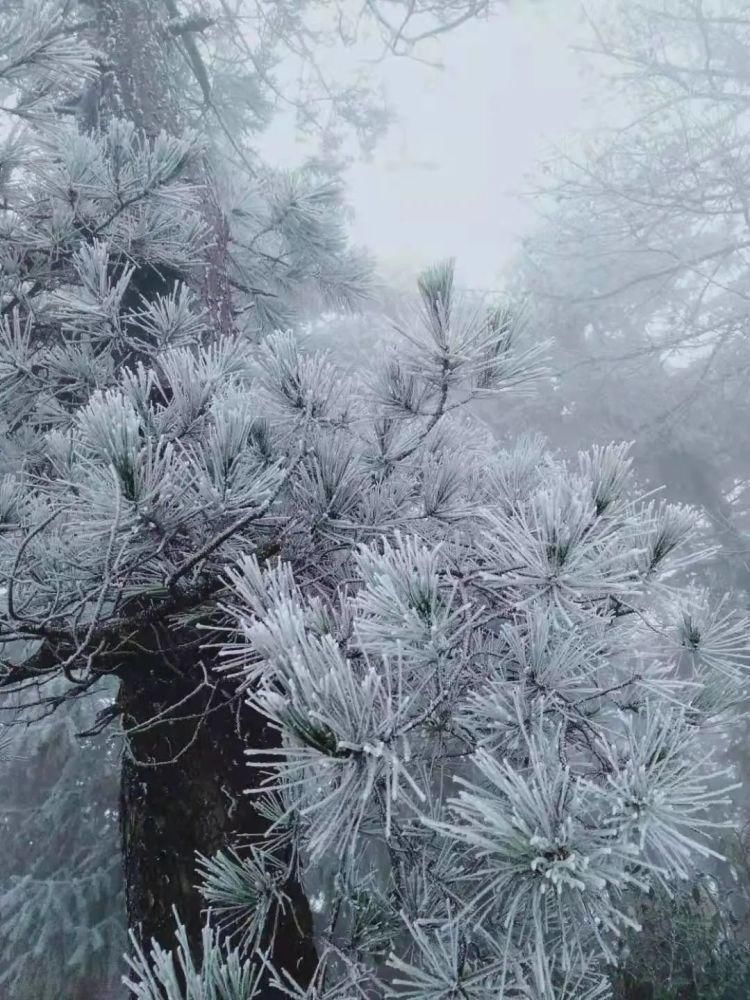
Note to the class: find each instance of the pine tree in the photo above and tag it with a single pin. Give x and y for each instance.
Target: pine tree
(500, 716)
(62, 932)
(137, 276)
(464, 680)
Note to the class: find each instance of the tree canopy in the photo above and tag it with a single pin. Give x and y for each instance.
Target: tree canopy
(464, 687)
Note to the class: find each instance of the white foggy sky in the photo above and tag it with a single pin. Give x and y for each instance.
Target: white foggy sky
(509, 84)
(440, 183)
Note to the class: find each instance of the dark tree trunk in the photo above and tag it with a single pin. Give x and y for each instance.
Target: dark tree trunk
(184, 770)
(133, 37)
(183, 792)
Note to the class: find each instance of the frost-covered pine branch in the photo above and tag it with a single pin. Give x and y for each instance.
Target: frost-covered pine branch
(502, 724)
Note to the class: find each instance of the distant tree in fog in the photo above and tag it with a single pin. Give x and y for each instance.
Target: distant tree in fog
(640, 268)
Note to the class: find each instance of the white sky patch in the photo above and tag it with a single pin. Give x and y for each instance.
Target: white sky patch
(443, 181)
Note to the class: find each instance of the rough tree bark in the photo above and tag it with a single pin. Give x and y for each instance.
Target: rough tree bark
(183, 782)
